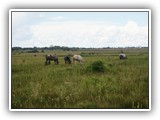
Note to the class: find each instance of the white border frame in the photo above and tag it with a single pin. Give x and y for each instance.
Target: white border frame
(88, 10)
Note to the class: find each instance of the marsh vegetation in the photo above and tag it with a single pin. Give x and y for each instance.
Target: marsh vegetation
(101, 81)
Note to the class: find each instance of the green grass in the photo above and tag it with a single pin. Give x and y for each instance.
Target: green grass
(123, 84)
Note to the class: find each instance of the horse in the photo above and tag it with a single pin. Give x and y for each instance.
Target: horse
(67, 59)
(77, 58)
(53, 58)
(122, 56)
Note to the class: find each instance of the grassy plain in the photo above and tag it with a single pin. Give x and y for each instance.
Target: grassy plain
(123, 85)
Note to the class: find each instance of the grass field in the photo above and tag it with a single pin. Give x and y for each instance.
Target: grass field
(123, 85)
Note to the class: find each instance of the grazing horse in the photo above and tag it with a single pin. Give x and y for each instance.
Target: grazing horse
(122, 56)
(77, 58)
(51, 57)
(67, 59)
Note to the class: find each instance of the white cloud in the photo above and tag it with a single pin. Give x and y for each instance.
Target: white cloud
(86, 34)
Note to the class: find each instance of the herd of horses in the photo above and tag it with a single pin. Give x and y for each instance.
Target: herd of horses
(76, 58)
(67, 59)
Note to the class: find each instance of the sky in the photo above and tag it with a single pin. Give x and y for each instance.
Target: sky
(79, 29)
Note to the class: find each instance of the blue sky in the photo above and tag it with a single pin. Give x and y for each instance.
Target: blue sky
(80, 29)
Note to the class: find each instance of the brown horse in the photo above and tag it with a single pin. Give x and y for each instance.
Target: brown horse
(53, 58)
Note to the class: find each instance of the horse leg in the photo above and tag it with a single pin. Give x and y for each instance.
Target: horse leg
(55, 61)
(46, 62)
(69, 61)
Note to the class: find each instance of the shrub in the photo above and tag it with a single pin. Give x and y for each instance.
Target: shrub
(97, 66)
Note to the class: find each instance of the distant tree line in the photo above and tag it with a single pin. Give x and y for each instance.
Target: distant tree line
(64, 48)
(36, 49)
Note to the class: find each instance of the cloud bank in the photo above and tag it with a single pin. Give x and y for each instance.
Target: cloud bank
(80, 34)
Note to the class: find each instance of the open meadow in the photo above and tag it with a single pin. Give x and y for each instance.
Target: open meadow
(122, 84)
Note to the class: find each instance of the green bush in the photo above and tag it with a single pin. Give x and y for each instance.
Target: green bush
(97, 66)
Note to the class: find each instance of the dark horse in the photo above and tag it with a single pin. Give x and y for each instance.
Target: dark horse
(67, 59)
(51, 57)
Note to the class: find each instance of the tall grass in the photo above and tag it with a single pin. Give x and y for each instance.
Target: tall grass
(123, 84)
